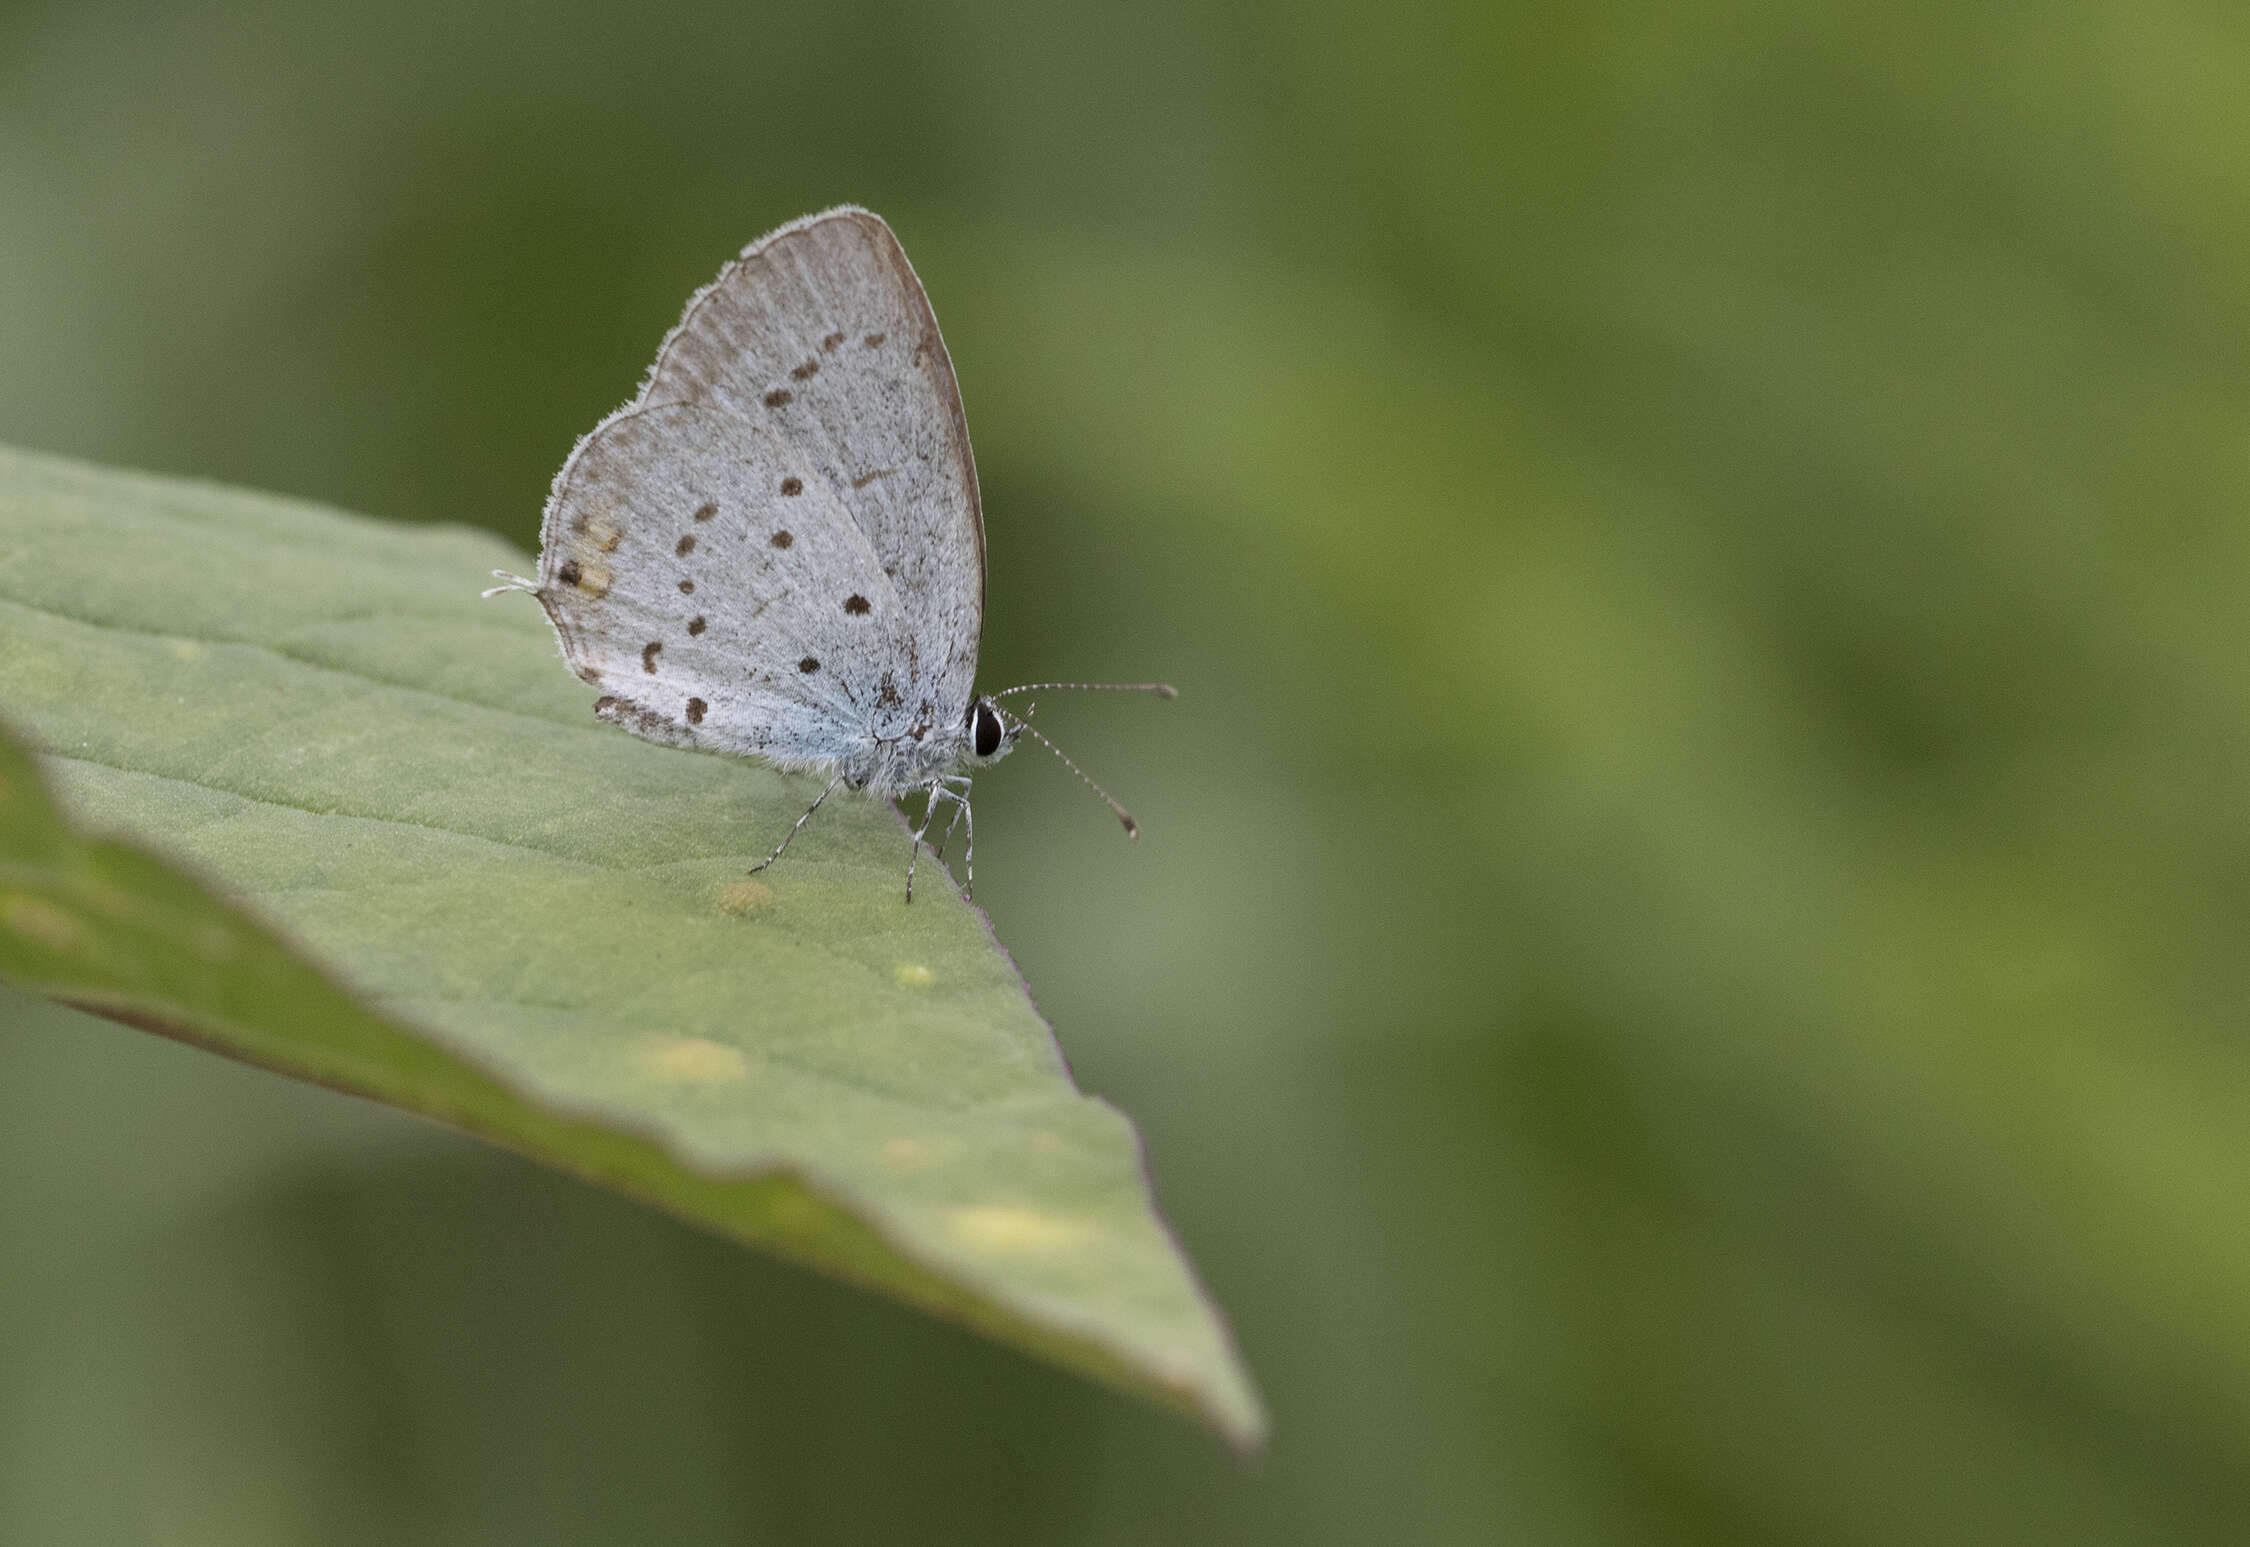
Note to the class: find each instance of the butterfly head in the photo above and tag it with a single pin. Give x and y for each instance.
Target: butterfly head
(992, 736)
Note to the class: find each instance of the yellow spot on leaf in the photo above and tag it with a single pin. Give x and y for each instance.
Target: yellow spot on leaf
(742, 898)
(905, 1154)
(912, 975)
(1007, 1227)
(693, 1060)
(40, 922)
(187, 649)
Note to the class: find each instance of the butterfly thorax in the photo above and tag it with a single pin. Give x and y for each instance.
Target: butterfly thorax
(903, 760)
(906, 752)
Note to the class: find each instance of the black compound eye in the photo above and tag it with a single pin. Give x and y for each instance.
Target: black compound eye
(984, 727)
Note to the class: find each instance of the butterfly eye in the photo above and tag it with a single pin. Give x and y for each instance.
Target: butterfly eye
(984, 728)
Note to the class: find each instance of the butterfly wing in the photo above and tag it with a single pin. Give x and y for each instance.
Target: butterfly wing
(711, 608)
(778, 543)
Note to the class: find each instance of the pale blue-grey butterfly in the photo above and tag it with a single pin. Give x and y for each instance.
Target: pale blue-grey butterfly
(777, 548)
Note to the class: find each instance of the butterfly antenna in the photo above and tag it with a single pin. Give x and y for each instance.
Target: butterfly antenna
(1160, 689)
(1132, 828)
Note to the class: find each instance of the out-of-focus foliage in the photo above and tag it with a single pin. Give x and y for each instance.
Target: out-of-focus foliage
(1685, 972)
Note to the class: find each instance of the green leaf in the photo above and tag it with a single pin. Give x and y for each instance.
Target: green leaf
(429, 876)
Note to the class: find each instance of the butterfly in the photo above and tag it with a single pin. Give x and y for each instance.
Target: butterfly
(777, 548)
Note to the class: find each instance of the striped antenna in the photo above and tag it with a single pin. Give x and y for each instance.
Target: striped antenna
(1132, 828)
(1160, 689)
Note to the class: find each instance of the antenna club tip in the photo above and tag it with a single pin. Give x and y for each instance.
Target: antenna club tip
(1166, 690)
(1132, 828)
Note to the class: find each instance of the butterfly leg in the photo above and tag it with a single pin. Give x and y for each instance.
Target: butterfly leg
(929, 814)
(951, 828)
(941, 789)
(957, 791)
(801, 821)
(969, 856)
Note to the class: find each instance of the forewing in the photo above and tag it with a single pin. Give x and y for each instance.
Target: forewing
(821, 333)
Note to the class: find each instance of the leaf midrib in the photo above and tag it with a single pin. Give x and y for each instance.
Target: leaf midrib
(300, 663)
(279, 653)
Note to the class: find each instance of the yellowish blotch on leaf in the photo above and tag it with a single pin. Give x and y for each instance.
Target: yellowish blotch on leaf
(693, 1060)
(40, 922)
(1009, 1227)
(904, 1154)
(187, 649)
(912, 975)
(743, 898)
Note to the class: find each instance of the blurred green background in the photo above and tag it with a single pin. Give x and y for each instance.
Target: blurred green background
(1685, 981)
